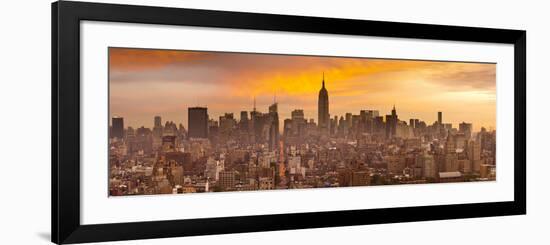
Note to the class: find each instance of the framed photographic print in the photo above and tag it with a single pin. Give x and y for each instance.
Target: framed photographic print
(177, 122)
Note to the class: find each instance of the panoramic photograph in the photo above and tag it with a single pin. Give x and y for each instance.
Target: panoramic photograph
(183, 121)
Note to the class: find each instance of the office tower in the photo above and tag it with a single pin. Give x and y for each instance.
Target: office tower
(474, 154)
(130, 133)
(273, 127)
(348, 119)
(157, 129)
(341, 127)
(363, 117)
(158, 121)
(391, 124)
(243, 126)
(227, 122)
(139, 140)
(334, 125)
(273, 108)
(287, 128)
(197, 122)
(450, 144)
(439, 117)
(323, 110)
(429, 166)
(170, 128)
(118, 127)
(157, 132)
(466, 129)
(253, 124)
(244, 116)
(212, 130)
(378, 125)
(297, 114)
(355, 123)
(227, 125)
(296, 126)
(451, 158)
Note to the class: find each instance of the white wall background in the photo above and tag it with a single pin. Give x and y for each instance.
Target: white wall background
(25, 121)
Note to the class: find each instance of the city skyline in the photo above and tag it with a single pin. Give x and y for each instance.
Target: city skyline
(350, 144)
(134, 97)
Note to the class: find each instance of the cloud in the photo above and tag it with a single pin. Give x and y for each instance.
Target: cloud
(168, 81)
(132, 59)
(465, 76)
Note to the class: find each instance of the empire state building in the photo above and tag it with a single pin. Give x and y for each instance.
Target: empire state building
(322, 109)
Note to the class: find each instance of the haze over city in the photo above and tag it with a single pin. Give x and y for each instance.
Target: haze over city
(264, 122)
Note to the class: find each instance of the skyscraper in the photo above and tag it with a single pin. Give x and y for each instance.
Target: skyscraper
(296, 126)
(451, 159)
(474, 154)
(158, 121)
(274, 126)
(450, 144)
(118, 127)
(440, 118)
(197, 122)
(323, 112)
(157, 129)
(391, 123)
(157, 133)
(466, 129)
(297, 114)
(227, 124)
(244, 116)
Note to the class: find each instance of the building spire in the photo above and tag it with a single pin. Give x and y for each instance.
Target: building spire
(323, 79)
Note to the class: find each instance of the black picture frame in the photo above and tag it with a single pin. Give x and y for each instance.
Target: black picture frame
(66, 18)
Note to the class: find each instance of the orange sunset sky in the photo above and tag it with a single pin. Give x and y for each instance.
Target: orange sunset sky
(144, 83)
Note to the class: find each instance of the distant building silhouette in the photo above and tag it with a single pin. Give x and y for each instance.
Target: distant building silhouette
(244, 116)
(198, 122)
(274, 127)
(391, 124)
(118, 128)
(323, 110)
(466, 129)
